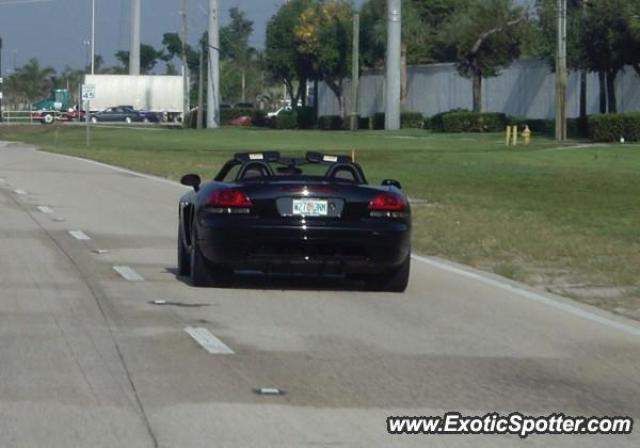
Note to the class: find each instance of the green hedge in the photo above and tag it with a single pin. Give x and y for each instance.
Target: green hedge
(306, 117)
(436, 123)
(285, 120)
(411, 120)
(474, 122)
(408, 120)
(331, 123)
(231, 113)
(576, 127)
(610, 128)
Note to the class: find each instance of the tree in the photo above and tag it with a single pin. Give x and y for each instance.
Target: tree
(235, 48)
(610, 43)
(149, 57)
(324, 37)
(486, 35)
(33, 80)
(422, 21)
(283, 59)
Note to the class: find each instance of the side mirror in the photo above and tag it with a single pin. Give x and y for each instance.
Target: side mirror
(191, 180)
(392, 183)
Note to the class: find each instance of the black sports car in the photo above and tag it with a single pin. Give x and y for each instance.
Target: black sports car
(286, 215)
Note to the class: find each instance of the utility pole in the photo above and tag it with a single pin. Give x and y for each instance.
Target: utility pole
(200, 90)
(93, 37)
(213, 94)
(355, 71)
(393, 83)
(561, 73)
(134, 50)
(185, 66)
(1, 81)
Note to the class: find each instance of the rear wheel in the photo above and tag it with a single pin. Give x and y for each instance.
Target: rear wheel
(94, 120)
(48, 119)
(128, 120)
(395, 280)
(184, 258)
(202, 272)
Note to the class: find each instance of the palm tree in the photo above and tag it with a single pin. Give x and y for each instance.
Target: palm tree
(33, 81)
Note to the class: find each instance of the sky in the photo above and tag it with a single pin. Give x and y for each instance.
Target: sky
(54, 31)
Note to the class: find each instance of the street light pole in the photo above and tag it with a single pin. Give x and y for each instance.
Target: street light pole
(134, 50)
(1, 80)
(561, 73)
(393, 83)
(213, 93)
(93, 36)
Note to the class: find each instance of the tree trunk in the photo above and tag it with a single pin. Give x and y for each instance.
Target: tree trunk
(611, 91)
(603, 92)
(244, 85)
(477, 91)
(316, 92)
(583, 94)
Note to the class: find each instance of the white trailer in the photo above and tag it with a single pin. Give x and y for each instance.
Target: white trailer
(163, 94)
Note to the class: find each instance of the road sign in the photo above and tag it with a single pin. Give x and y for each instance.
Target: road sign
(88, 92)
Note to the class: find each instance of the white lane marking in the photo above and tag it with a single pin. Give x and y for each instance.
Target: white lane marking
(79, 235)
(59, 219)
(20, 192)
(535, 297)
(208, 341)
(44, 209)
(128, 274)
(100, 251)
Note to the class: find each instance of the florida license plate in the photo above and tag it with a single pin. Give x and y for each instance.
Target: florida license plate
(310, 207)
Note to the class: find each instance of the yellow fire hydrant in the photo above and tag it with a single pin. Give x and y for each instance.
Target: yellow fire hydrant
(526, 135)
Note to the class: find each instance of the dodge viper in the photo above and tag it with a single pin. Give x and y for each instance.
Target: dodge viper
(313, 215)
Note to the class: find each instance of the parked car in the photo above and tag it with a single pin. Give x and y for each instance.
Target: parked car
(126, 114)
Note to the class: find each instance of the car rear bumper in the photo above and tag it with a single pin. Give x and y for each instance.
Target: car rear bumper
(364, 248)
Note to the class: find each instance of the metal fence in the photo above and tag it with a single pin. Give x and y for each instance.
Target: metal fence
(525, 89)
(17, 116)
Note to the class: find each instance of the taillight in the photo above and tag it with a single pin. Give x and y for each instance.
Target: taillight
(229, 199)
(388, 202)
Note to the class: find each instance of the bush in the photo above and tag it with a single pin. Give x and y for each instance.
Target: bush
(411, 120)
(436, 123)
(536, 125)
(306, 117)
(610, 128)
(259, 118)
(474, 122)
(285, 120)
(364, 123)
(231, 113)
(576, 127)
(377, 121)
(331, 123)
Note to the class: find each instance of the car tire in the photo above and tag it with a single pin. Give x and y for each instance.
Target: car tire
(145, 120)
(48, 119)
(94, 120)
(127, 120)
(184, 258)
(204, 273)
(395, 280)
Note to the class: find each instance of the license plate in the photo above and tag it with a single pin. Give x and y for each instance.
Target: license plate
(310, 207)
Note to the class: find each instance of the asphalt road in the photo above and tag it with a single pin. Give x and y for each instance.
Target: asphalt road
(87, 361)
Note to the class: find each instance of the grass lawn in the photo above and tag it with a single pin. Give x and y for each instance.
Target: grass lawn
(565, 219)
